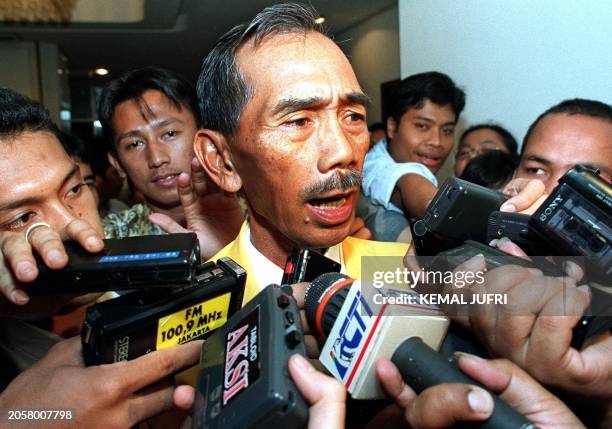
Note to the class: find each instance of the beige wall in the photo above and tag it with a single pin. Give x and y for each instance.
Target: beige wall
(31, 68)
(19, 68)
(373, 49)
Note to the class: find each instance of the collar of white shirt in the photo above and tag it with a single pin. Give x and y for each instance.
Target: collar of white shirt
(267, 273)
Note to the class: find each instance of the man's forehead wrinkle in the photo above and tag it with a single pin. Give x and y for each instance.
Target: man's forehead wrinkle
(28, 190)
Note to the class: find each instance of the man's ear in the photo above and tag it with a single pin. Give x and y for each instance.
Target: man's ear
(391, 127)
(115, 163)
(212, 150)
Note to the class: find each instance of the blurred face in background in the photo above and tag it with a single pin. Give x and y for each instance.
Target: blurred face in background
(88, 177)
(476, 143)
(376, 136)
(154, 144)
(559, 141)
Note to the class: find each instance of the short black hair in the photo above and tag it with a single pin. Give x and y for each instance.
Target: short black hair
(77, 147)
(19, 114)
(222, 90)
(437, 87)
(574, 106)
(491, 169)
(133, 84)
(509, 141)
(377, 126)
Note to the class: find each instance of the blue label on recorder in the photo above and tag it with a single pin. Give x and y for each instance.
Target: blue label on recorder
(138, 257)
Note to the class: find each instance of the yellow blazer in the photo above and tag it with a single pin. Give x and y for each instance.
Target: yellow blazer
(352, 250)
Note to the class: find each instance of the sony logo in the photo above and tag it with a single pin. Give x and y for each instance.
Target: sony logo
(550, 209)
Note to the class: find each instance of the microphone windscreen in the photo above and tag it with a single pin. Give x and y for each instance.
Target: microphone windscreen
(323, 300)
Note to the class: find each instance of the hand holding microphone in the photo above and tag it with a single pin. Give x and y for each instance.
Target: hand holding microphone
(444, 405)
(358, 337)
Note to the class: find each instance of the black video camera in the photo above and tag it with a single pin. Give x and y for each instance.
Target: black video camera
(575, 220)
(244, 379)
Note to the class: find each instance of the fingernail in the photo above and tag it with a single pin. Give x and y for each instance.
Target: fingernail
(503, 240)
(475, 263)
(93, 242)
(26, 268)
(507, 207)
(301, 362)
(55, 256)
(480, 401)
(493, 243)
(19, 297)
(585, 289)
(573, 270)
(457, 355)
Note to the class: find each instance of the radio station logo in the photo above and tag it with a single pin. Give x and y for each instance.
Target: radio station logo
(241, 357)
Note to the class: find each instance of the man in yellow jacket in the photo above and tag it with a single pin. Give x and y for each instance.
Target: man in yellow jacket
(285, 124)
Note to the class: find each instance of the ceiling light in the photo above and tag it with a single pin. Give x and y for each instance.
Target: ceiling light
(320, 20)
(101, 71)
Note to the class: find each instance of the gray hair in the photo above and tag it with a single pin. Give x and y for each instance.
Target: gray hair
(222, 90)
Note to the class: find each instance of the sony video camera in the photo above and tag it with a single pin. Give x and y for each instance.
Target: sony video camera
(574, 223)
(575, 220)
(244, 379)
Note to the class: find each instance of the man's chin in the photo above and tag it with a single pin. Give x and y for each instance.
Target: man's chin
(326, 237)
(164, 202)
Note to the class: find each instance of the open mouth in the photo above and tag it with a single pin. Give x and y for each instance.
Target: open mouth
(327, 203)
(429, 161)
(332, 210)
(167, 181)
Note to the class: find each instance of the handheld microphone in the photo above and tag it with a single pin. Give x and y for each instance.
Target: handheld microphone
(358, 332)
(357, 336)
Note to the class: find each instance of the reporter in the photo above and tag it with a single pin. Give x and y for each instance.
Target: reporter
(119, 395)
(43, 199)
(575, 131)
(444, 405)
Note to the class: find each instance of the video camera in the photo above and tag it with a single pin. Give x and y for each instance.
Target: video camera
(575, 220)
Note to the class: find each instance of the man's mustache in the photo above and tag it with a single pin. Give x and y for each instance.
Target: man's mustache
(342, 182)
